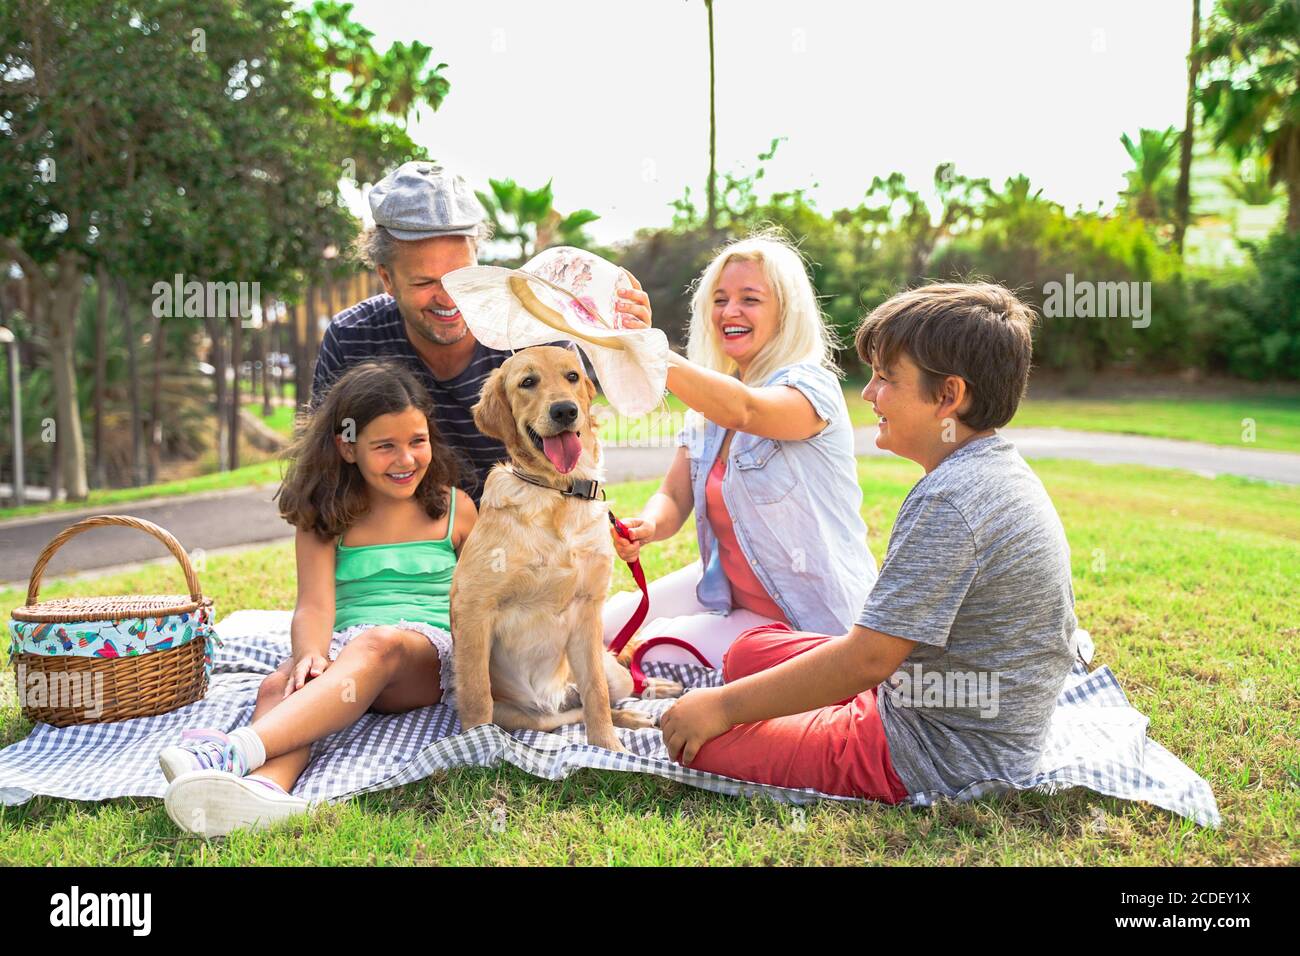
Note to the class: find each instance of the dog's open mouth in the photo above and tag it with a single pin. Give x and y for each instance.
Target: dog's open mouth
(562, 449)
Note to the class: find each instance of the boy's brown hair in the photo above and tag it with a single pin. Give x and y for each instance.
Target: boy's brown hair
(978, 331)
(323, 493)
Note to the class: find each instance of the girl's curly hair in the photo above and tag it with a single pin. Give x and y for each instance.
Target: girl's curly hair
(323, 493)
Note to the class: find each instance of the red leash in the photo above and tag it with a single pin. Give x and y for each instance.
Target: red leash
(638, 618)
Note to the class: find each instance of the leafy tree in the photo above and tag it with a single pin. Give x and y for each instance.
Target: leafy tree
(223, 166)
(390, 84)
(961, 199)
(1252, 53)
(1015, 202)
(735, 207)
(1268, 346)
(402, 80)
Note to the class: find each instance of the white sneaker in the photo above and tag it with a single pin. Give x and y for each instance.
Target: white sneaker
(1082, 646)
(212, 803)
(203, 749)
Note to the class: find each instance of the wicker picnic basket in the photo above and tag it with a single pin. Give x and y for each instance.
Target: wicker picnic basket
(131, 655)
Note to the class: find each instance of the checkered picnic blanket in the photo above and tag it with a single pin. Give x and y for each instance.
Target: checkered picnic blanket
(1097, 740)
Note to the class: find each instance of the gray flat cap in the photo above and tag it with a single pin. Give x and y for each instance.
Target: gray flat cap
(421, 199)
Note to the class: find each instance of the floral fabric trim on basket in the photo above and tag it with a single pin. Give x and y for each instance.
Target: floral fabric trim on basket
(122, 637)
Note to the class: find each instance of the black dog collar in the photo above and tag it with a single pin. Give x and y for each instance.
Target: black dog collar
(583, 488)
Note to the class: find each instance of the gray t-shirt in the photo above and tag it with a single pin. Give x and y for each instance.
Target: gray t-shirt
(978, 574)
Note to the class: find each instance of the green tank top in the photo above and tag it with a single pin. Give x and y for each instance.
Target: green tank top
(388, 583)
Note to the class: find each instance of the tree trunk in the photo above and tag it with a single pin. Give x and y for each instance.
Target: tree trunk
(218, 361)
(280, 350)
(236, 358)
(297, 333)
(55, 481)
(267, 407)
(133, 383)
(1293, 205)
(713, 131)
(63, 305)
(311, 340)
(155, 399)
(100, 467)
(1183, 197)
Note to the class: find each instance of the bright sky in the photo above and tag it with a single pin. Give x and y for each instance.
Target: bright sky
(611, 99)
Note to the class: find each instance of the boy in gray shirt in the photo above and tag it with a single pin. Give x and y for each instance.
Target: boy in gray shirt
(978, 575)
(952, 671)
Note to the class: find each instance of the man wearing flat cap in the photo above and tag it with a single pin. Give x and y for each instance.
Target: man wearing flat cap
(427, 223)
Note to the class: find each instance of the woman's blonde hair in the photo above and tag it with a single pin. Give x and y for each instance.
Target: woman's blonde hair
(801, 332)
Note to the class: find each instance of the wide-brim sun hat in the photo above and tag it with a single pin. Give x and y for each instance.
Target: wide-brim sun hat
(566, 293)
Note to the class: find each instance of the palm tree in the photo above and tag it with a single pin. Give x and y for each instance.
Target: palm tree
(1183, 195)
(1251, 184)
(529, 217)
(403, 81)
(1254, 99)
(1014, 200)
(713, 130)
(346, 42)
(1149, 187)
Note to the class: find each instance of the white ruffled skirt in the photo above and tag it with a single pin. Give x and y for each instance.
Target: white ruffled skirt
(439, 638)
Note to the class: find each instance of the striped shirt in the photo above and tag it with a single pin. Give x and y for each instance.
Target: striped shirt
(374, 329)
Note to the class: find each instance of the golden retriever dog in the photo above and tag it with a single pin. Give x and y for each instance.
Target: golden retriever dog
(530, 583)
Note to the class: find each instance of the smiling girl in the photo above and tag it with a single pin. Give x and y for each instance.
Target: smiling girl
(370, 488)
(767, 465)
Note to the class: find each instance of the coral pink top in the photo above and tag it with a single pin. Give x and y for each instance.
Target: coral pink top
(746, 590)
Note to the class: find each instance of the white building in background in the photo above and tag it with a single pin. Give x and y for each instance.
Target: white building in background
(1220, 221)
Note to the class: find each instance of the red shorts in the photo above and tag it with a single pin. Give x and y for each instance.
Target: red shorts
(840, 749)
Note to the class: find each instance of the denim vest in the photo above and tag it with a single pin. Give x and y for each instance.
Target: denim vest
(795, 506)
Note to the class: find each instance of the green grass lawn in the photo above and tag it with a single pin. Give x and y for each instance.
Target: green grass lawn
(1187, 585)
(281, 418)
(1276, 421)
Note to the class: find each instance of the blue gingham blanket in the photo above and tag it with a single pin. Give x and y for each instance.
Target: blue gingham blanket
(1097, 740)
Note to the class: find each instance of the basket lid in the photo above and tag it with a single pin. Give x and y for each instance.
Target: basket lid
(108, 608)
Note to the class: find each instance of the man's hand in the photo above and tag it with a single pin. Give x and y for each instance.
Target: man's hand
(641, 530)
(692, 722)
(633, 306)
(305, 668)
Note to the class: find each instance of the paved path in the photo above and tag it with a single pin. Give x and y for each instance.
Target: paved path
(247, 515)
(1108, 448)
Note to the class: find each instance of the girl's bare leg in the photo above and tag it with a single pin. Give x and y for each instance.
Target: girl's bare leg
(391, 669)
(286, 768)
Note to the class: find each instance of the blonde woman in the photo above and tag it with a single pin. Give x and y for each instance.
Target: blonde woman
(767, 465)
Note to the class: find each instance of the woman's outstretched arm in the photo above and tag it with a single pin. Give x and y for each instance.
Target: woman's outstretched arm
(777, 411)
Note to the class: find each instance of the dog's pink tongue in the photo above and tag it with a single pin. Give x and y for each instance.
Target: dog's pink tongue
(563, 450)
